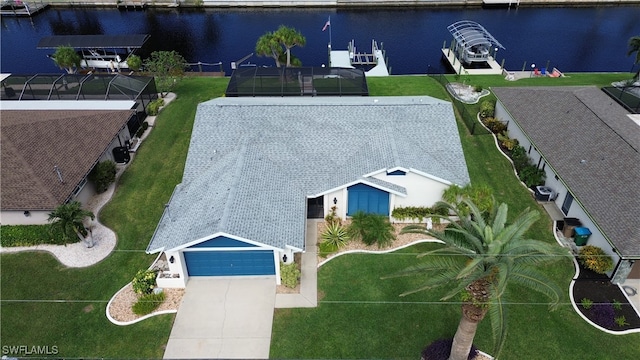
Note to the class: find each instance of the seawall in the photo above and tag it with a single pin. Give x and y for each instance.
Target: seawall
(335, 3)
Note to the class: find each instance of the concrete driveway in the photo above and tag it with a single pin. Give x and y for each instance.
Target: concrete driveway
(224, 318)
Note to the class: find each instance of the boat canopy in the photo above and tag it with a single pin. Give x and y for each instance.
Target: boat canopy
(94, 41)
(470, 34)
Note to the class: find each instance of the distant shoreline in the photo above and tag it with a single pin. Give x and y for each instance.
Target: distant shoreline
(337, 4)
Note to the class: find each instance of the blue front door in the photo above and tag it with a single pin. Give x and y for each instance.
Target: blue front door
(367, 199)
(228, 263)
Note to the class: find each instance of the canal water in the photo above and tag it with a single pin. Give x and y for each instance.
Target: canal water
(571, 39)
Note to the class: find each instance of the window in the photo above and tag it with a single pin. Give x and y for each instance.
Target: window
(78, 188)
(397, 173)
(568, 200)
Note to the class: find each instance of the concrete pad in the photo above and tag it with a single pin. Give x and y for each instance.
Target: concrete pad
(227, 318)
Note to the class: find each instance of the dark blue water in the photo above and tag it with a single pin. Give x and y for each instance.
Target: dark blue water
(571, 39)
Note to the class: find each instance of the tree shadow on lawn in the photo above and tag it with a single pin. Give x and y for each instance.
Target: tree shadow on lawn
(603, 294)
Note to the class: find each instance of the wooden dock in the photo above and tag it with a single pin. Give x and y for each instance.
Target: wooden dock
(22, 8)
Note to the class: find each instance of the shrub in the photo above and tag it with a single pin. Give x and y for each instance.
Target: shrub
(621, 320)
(332, 216)
(441, 350)
(147, 303)
(28, 235)
(371, 229)
(603, 315)
(495, 125)
(134, 62)
(478, 88)
(519, 157)
(595, 259)
(487, 108)
(412, 212)
(103, 175)
(144, 282)
(153, 108)
(586, 303)
(142, 129)
(335, 235)
(531, 175)
(617, 304)
(290, 275)
(506, 142)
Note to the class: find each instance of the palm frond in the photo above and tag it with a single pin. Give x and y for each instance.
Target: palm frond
(498, 317)
(534, 280)
(436, 263)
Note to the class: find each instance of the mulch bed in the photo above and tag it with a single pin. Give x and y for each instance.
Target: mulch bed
(598, 288)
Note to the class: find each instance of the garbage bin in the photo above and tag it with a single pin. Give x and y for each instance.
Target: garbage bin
(582, 236)
(569, 225)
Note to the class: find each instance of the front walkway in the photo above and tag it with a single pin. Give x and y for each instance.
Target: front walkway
(308, 296)
(224, 318)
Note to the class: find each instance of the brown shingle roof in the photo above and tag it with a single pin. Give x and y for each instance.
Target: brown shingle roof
(35, 141)
(571, 124)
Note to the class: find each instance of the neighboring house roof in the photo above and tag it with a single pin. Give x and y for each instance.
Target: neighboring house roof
(35, 142)
(592, 144)
(253, 162)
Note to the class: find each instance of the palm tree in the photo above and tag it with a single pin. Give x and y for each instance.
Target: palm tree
(634, 47)
(482, 255)
(69, 218)
(289, 38)
(269, 45)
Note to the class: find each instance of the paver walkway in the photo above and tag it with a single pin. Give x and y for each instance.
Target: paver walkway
(224, 318)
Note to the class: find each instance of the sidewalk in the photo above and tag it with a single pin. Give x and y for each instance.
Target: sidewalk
(308, 296)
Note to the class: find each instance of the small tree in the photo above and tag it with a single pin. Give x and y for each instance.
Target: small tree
(67, 58)
(134, 62)
(103, 175)
(69, 219)
(167, 67)
(268, 45)
(289, 38)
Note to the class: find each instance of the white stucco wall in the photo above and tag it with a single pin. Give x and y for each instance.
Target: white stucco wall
(421, 191)
(18, 217)
(553, 181)
(341, 196)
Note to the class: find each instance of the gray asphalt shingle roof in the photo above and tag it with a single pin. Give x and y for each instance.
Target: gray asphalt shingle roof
(253, 162)
(571, 124)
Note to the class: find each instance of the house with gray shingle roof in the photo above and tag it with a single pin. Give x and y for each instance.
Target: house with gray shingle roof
(257, 168)
(588, 146)
(47, 154)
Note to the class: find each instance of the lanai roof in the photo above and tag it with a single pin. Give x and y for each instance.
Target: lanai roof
(592, 144)
(253, 162)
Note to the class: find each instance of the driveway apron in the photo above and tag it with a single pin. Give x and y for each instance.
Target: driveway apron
(226, 318)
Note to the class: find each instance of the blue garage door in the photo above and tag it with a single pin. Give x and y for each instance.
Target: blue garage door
(226, 263)
(367, 199)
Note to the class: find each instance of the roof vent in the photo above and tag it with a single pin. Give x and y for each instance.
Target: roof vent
(57, 170)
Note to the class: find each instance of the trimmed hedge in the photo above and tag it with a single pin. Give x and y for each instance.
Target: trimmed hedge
(290, 275)
(29, 235)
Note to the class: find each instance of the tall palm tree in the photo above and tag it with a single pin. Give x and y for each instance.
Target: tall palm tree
(269, 45)
(289, 38)
(69, 218)
(481, 255)
(634, 47)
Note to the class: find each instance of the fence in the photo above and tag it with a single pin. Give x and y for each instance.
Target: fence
(469, 119)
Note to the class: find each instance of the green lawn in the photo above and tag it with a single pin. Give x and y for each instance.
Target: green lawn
(79, 327)
(359, 315)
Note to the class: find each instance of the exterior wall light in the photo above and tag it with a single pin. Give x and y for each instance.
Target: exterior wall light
(172, 259)
(335, 201)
